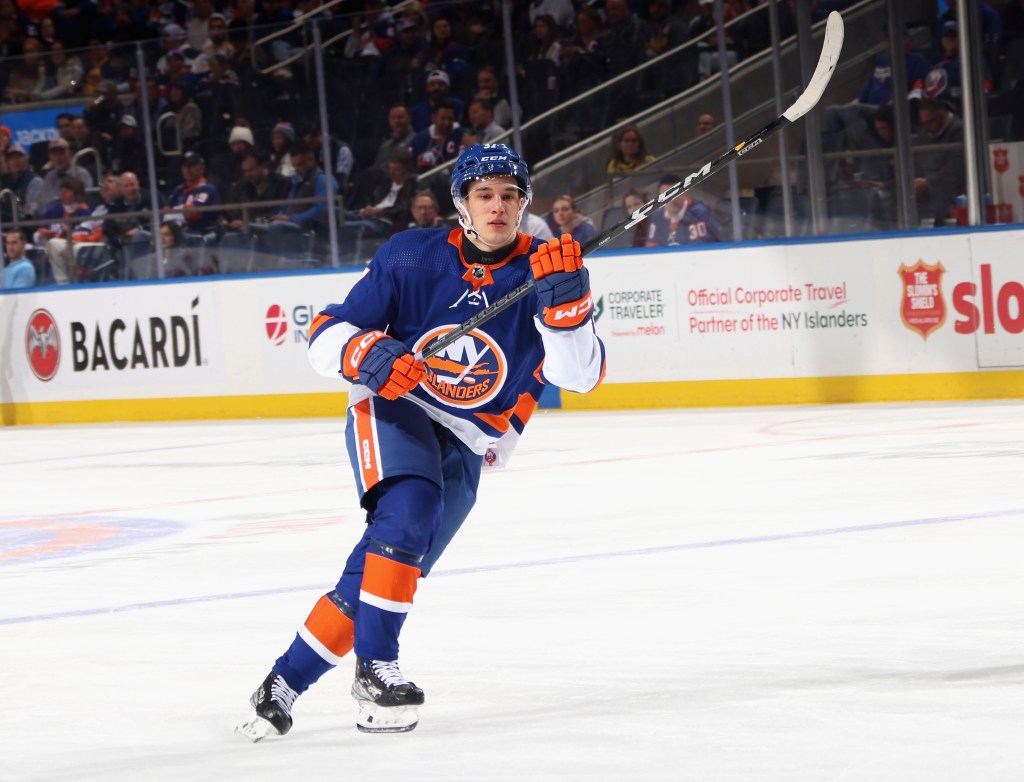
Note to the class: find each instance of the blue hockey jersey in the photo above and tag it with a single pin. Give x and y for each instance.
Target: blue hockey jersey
(484, 386)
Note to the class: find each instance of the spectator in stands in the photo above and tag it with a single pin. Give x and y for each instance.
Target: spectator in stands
(341, 153)
(388, 209)
(197, 30)
(629, 151)
(177, 71)
(171, 235)
(282, 138)
(96, 57)
(119, 231)
(104, 116)
(489, 88)
(439, 90)
(683, 220)
(26, 183)
(188, 117)
(535, 225)
(403, 60)
(481, 119)
(849, 125)
(173, 39)
(538, 68)
(157, 104)
(569, 220)
(309, 181)
(705, 124)
(128, 152)
(64, 79)
(943, 80)
(28, 76)
(399, 137)
(446, 54)
(583, 65)
(57, 237)
(665, 31)
(561, 12)
(939, 176)
(991, 27)
(707, 48)
(633, 200)
(442, 141)
(216, 42)
(259, 183)
(426, 213)
(59, 169)
(81, 134)
(20, 271)
(194, 192)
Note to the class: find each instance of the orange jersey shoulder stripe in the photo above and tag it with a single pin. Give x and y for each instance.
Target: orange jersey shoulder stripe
(318, 321)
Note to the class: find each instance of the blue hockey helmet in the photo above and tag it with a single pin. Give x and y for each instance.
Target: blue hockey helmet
(486, 160)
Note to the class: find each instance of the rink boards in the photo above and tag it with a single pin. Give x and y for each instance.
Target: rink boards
(896, 317)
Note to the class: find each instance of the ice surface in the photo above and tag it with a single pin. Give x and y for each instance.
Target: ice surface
(804, 593)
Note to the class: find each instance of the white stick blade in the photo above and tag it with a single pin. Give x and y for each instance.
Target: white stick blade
(830, 50)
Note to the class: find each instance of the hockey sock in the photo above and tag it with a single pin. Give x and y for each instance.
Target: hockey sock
(321, 643)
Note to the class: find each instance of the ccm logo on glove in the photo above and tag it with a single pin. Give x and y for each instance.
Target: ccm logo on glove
(381, 363)
(562, 284)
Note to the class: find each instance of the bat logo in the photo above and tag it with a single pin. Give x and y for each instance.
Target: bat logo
(42, 344)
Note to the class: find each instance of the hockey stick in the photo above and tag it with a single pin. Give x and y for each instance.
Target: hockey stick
(827, 62)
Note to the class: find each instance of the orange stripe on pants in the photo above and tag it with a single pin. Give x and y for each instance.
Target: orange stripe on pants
(389, 580)
(331, 627)
(366, 444)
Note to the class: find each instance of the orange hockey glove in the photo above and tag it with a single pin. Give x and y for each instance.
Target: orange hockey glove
(381, 363)
(562, 284)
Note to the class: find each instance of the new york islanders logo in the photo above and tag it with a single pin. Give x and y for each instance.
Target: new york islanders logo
(468, 372)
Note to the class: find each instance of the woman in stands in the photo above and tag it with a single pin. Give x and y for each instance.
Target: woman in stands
(629, 151)
(570, 220)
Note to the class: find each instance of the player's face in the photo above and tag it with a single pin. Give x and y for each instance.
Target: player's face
(494, 207)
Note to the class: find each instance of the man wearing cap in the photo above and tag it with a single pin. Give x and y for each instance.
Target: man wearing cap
(439, 88)
(26, 184)
(194, 192)
(59, 168)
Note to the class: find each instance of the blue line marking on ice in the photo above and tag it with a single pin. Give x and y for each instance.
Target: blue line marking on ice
(566, 560)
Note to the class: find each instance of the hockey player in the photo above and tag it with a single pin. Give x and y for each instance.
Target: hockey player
(419, 432)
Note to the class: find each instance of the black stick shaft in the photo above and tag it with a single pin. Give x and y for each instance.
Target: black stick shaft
(641, 213)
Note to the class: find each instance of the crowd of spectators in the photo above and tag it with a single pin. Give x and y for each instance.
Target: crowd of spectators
(863, 185)
(413, 83)
(409, 88)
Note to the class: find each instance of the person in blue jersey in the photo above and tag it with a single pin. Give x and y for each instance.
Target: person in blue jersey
(420, 431)
(20, 271)
(683, 220)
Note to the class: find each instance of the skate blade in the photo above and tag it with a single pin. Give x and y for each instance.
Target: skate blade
(255, 728)
(387, 719)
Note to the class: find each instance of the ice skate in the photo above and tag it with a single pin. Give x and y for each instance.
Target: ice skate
(388, 702)
(272, 710)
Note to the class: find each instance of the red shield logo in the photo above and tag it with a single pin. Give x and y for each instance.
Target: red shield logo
(1020, 186)
(42, 345)
(277, 324)
(1001, 160)
(923, 307)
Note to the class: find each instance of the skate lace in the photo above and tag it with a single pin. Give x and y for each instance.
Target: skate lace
(281, 693)
(388, 673)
